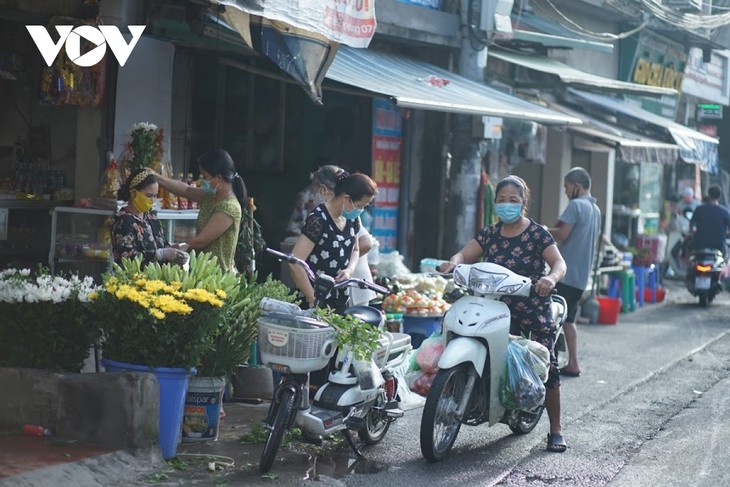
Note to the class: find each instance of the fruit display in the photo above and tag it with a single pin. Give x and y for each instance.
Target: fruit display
(415, 303)
(423, 283)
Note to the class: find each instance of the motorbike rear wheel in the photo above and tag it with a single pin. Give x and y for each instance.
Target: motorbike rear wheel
(376, 423)
(439, 424)
(284, 408)
(703, 300)
(523, 422)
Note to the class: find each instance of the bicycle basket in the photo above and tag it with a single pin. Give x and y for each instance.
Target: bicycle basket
(299, 343)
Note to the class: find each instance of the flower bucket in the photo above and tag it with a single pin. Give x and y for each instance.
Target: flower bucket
(173, 382)
(203, 400)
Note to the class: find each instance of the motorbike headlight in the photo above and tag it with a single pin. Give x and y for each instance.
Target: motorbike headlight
(484, 282)
(509, 289)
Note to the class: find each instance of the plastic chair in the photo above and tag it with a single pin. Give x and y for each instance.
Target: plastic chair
(645, 276)
(622, 285)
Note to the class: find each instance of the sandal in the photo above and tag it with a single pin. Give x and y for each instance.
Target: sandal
(556, 443)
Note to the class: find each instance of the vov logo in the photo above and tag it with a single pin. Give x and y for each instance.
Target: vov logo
(71, 36)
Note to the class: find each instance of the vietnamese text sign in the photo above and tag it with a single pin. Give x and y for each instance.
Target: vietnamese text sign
(386, 153)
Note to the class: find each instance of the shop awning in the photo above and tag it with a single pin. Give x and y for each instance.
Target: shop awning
(631, 146)
(414, 84)
(694, 147)
(573, 76)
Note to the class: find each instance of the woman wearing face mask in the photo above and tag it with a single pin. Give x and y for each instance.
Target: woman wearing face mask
(523, 246)
(220, 199)
(329, 241)
(322, 187)
(135, 230)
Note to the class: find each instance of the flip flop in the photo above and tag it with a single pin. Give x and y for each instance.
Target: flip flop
(556, 443)
(569, 373)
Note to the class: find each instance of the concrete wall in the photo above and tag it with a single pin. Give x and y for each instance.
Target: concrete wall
(116, 410)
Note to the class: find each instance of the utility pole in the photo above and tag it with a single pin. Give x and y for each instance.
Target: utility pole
(465, 172)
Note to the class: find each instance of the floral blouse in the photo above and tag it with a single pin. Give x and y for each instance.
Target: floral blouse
(332, 246)
(521, 254)
(133, 236)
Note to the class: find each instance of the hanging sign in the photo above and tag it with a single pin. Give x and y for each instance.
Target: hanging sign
(386, 150)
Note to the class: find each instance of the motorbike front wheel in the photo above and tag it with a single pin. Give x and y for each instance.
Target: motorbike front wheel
(284, 408)
(376, 423)
(439, 424)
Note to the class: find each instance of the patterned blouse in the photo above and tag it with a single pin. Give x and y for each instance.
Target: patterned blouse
(521, 254)
(133, 236)
(224, 247)
(332, 246)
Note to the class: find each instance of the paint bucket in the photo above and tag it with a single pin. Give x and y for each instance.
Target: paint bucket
(201, 417)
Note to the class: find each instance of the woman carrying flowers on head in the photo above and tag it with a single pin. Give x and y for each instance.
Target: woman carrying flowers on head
(221, 197)
(135, 230)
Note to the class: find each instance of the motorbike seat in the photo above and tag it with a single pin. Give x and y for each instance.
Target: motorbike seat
(706, 253)
(368, 314)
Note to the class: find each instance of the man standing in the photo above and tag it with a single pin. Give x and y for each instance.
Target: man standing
(576, 232)
(711, 223)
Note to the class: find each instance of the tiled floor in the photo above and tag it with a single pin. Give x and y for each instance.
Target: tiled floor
(19, 454)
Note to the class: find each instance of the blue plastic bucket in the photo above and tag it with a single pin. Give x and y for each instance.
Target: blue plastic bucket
(421, 327)
(173, 382)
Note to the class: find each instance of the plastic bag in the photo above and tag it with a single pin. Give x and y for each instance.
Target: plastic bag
(538, 357)
(521, 387)
(429, 353)
(420, 382)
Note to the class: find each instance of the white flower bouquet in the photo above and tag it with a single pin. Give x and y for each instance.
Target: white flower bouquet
(45, 320)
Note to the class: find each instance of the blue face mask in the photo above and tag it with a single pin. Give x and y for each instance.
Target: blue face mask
(352, 214)
(508, 212)
(207, 188)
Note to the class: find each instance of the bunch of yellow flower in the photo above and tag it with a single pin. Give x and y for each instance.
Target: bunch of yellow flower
(175, 328)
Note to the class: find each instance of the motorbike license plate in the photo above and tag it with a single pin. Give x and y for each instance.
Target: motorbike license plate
(702, 283)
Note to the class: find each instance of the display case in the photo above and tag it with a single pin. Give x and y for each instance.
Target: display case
(24, 232)
(81, 237)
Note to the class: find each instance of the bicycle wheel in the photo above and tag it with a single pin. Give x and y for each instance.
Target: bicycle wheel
(281, 417)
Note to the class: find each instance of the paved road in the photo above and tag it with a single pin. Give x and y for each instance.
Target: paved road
(648, 409)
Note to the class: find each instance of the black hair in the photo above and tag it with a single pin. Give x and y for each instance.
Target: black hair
(218, 162)
(578, 175)
(124, 193)
(714, 192)
(356, 185)
(518, 183)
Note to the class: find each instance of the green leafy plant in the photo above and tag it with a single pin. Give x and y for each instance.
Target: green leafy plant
(362, 339)
(239, 326)
(45, 320)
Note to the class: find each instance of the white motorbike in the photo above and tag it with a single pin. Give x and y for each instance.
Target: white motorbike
(476, 330)
(358, 395)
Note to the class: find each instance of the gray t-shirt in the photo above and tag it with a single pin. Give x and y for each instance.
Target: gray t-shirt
(579, 249)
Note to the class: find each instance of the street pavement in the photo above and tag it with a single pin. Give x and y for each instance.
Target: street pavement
(648, 409)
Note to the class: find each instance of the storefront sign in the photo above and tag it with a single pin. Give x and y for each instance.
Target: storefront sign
(707, 81)
(387, 145)
(71, 36)
(706, 112)
(432, 4)
(658, 61)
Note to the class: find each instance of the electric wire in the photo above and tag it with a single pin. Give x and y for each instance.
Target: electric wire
(588, 33)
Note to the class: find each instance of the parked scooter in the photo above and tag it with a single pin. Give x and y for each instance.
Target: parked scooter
(703, 274)
(358, 395)
(476, 330)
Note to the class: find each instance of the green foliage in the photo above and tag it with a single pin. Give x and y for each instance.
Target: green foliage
(239, 325)
(362, 339)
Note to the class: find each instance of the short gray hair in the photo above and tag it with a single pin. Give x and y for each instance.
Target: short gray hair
(578, 175)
